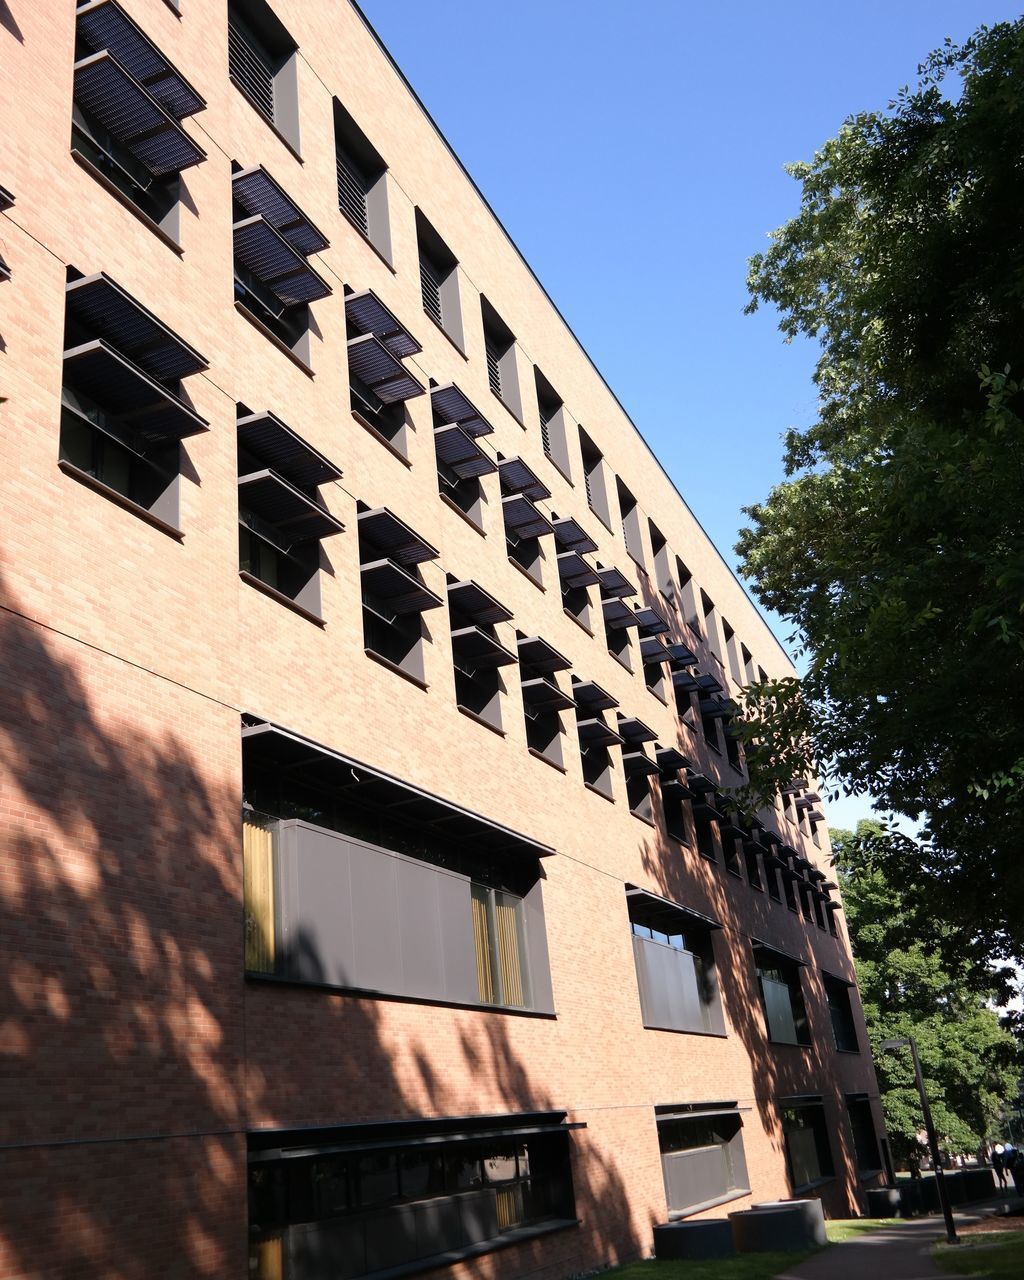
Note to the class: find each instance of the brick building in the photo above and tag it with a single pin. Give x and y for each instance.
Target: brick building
(370, 897)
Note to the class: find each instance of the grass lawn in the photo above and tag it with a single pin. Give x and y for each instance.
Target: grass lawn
(850, 1228)
(748, 1266)
(995, 1255)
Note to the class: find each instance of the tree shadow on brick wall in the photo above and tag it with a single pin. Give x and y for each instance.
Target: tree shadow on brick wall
(123, 1009)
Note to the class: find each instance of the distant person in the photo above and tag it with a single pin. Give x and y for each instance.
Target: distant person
(1017, 1171)
(999, 1165)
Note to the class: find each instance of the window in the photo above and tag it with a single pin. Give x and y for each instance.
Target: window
(362, 182)
(706, 816)
(805, 1137)
(772, 865)
(732, 652)
(543, 699)
(675, 965)
(6, 202)
(702, 1158)
(733, 745)
(274, 283)
(638, 766)
(553, 425)
(524, 524)
(439, 282)
(461, 463)
(674, 792)
(282, 518)
(477, 653)
(655, 654)
(752, 847)
(687, 590)
(595, 735)
(865, 1139)
(406, 1195)
(781, 996)
(123, 410)
(684, 685)
(129, 102)
(379, 384)
(357, 881)
(500, 353)
(844, 1029)
(631, 524)
(595, 479)
(263, 65)
(394, 594)
(574, 573)
(662, 564)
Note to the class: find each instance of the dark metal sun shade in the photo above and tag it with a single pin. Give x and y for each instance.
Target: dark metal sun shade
(541, 656)
(366, 313)
(518, 477)
(652, 650)
(288, 509)
(773, 953)
(103, 24)
(475, 603)
(614, 583)
(684, 682)
(594, 731)
(651, 621)
(108, 312)
(618, 615)
(261, 196)
(481, 648)
(705, 810)
(590, 695)
(635, 731)
(268, 438)
(574, 571)
(6, 199)
(670, 759)
(276, 261)
(683, 654)
(458, 450)
(708, 684)
(700, 782)
(121, 388)
(522, 518)
(542, 694)
(717, 709)
(673, 917)
(402, 590)
(571, 535)
(637, 762)
(108, 93)
(385, 375)
(273, 747)
(393, 538)
(452, 405)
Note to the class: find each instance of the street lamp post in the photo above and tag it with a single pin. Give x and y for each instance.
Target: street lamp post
(929, 1127)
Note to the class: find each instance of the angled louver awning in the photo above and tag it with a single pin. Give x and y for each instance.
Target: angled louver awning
(292, 512)
(518, 477)
(594, 731)
(277, 262)
(653, 651)
(402, 591)
(108, 312)
(385, 375)
(683, 654)
(367, 314)
(708, 684)
(452, 405)
(665, 916)
(476, 604)
(718, 708)
(481, 649)
(651, 621)
(113, 97)
(635, 731)
(572, 536)
(636, 762)
(684, 682)
(700, 782)
(522, 518)
(669, 759)
(614, 584)
(590, 695)
(543, 694)
(574, 571)
(704, 810)
(383, 530)
(618, 615)
(458, 450)
(103, 24)
(541, 656)
(274, 443)
(262, 196)
(120, 387)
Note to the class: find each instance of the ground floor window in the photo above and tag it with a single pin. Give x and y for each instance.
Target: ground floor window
(865, 1139)
(702, 1158)
(805, 1135)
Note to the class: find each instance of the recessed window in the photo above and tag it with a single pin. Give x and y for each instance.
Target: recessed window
(707, 820)
(655, 651)
(123, 410)
(439, 281)
(702, 1157)
(554, 434)
(595, 479)
(732, 836)
(525, 525)
(639, 767)
(461, 462)
(687, 597)
(733, 745)
(805, 1137)
(394, 594)
(630, 516)
(129, 101)
(478, 653)
(709, 615)
(782, 1000)
(675, 965)
(379, 383)
(865, 1137)
(281, 515)
(674, 792)
(772, 866)
(263, 65)
(595, 735)
(544, 699)
(575, 574)
(752, 851)
(273, 239)
(662, 563)
(844, 1029)
(362, 182)
(6, 202)
(500, 353)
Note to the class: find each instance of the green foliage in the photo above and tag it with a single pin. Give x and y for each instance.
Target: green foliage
(747, 1266)
(989, 1255)
(913, 983)
(896, 544)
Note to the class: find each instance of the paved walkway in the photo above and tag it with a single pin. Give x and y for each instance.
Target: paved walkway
(900, 1252)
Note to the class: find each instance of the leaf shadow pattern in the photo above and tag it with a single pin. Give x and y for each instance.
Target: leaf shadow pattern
(133, 1054)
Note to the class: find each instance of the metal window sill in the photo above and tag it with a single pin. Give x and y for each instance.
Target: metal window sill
(266, 589)
(379, 436)
(448, 502)
(688, 1031)
(810, 1186)
(441, 327)
(126, 201)
(553, 764)
(605, 795)
(374, 656)
(481, 720)
(366, 239)
(508, 408)
(90, 482)
(527, 574)
(271, 336)
(737, 1193)
(582, 625)
(266, 119)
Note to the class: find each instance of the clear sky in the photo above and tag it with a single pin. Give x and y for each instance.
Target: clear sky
(634, 151)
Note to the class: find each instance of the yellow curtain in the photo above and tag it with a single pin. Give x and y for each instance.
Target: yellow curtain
(509, 1204)
(481, 937)
(511, 968)
(258, 864)
(266, 1261)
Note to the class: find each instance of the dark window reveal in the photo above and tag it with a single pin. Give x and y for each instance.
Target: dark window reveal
(808, 1153)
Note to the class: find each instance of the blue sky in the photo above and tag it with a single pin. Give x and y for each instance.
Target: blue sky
(634, 152)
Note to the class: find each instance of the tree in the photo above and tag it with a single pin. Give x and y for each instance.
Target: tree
(896, 543)
(970, 1063)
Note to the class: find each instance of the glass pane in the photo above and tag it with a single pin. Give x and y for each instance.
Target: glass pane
(500, 1164)
(462, 1170)
(330, 1187)
(508, 912)
(485, 960)
(422, 1175)
(77, 444)
(378, 1178)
